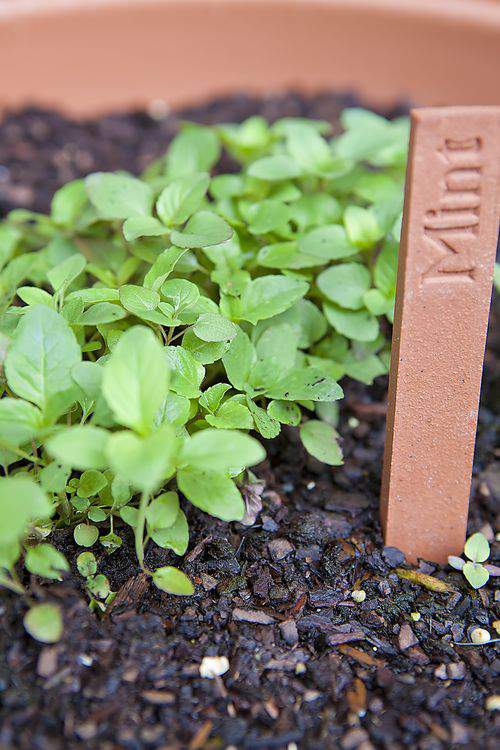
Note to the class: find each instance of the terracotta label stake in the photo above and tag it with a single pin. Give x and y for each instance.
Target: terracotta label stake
(448, 244)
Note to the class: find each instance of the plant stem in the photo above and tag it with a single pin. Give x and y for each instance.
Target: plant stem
(11, 585)
(139, 529)
(21, 453)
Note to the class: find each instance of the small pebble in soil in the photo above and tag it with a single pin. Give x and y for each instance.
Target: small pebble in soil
(358, 595)
(493, 703)
(213, 666)
(479, 636)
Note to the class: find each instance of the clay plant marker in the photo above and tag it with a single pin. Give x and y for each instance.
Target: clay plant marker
(448, 244)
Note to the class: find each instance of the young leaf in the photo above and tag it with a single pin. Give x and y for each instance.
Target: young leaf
(239, 360)
(358, 325)
(40, 358)
(162, 511)
(345, 284)
(81, 447)
(212, 492)
(477, 548)
(320, 440)
(135, 379)
(143, 462)
(186, 373)
(86, 564)
(213, 327)
(21, 501)
(173, 581)
(181, 198)
(272, 168)
(195, 149)
(45, 560)
(270, 295)
(44, 623)
(175, 537)
(19, 421)
(118, 196)
(204, 229)
(221, 450)
(64, 273)
(85, 535)
(163, 267)
(476, 574)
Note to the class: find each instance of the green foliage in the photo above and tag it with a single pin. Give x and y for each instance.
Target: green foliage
(477, 550)
(148, 324)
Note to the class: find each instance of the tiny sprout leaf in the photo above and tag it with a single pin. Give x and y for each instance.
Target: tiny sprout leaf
(86, 564)
(173, 581)
(45, 560)
(85, 535)
(476, 574)
(477, 548)
(44, 623)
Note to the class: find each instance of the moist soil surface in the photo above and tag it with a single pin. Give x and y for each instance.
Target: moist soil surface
(309, 667)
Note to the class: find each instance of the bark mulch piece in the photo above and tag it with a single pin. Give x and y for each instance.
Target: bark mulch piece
(309, 666)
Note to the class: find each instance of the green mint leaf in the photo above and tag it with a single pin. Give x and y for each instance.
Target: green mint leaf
(195, 149)
(265, 424)
(186, 373)
(86, 535)
(175, 537)
(135, 379)
(362, 227)
(305, 384)
(268, 296)
(44, 623)
(142, 226)
(143, 462)
(81, 447)
(327, 243)
(182, 198)
(19, 421)
(345, 284)
(118, 196)
(213, 327)
(21, 501)
(64, 273)
(204, 229)
(45, 560)
(39, 361)
(212, 492)
(163, 267)
(239, 360)
(162, 511)
(221, 450)
(358, 325)
(321, 441)
(275, 168)
(173, 581)
(477, 548)
(476, 574)
(86, 564)
(231, 415)
(68, 203)
(285, 412)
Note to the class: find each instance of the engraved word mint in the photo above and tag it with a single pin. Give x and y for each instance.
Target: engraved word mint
(454, 224)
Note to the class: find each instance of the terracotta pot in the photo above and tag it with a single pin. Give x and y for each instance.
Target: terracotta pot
(95, 55)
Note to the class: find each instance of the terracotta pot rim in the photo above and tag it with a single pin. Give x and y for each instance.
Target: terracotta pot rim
(88, 57)
(476, 12)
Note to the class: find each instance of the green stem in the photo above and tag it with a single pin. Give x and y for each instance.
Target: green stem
(14, 586)
(139, 529)
(21, 453)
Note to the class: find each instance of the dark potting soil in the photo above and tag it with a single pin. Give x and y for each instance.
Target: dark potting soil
(309, 667)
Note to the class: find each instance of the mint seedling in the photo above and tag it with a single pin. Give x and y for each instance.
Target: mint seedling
(149, 324)
(477, 550)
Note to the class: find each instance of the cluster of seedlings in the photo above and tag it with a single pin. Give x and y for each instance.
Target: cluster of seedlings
(147, 325)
